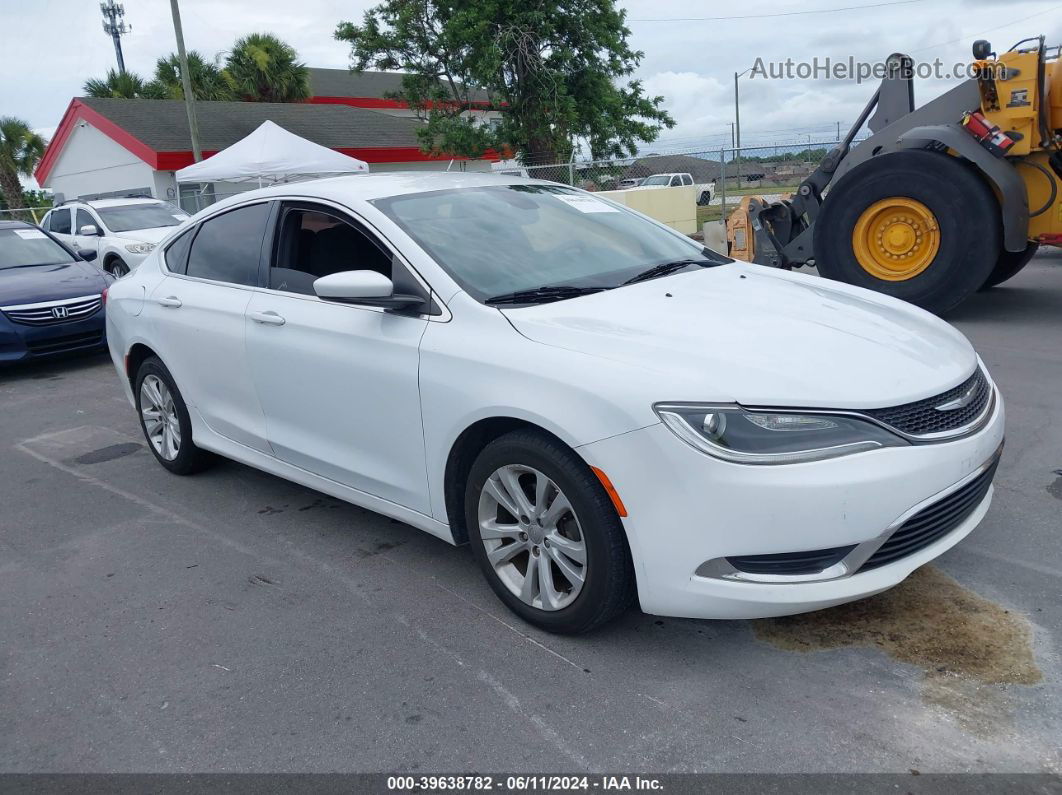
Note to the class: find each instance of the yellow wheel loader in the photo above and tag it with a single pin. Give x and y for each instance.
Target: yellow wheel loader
(939, 201)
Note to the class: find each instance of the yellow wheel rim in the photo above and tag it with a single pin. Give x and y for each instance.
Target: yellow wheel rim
(896, 239)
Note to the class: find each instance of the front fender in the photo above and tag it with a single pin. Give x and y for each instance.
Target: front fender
(1004, 177)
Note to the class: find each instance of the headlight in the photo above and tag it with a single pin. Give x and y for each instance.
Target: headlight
(772, 437)
(139, 248)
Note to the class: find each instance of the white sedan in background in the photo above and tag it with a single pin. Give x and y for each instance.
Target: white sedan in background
(603, 409)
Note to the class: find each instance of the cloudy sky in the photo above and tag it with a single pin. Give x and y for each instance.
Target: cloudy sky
(55, 45)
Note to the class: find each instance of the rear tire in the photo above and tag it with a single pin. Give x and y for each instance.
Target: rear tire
(963, 229)
(508, 547)
(164, 420)
(1009, 264)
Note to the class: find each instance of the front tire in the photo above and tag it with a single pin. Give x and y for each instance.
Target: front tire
(116, 267)
(546, 535)
(920, 226)
(164, 420)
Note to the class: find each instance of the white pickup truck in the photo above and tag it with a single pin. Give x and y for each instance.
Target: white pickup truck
(705, 191)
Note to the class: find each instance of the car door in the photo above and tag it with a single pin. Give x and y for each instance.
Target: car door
(338, 382)
(83, 218)
(197, 316)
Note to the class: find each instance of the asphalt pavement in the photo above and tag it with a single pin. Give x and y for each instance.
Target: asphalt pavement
(232, 621)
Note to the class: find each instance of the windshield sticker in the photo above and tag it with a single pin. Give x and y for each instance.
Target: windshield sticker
(586, 204)
(30, 234)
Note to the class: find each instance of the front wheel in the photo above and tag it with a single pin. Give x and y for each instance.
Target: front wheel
(116, 267)
(546, 535)
(920, 226)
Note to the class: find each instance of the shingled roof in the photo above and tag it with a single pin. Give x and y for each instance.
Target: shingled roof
(162, 124)
(377, 85)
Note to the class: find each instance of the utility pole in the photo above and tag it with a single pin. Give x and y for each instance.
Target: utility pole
(733, 140)
(838, 131)
(115, 27)
(186, 82)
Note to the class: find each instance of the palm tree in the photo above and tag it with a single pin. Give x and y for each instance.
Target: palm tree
(120, 85)
(262, 68)
(208, 81)
(20, 151)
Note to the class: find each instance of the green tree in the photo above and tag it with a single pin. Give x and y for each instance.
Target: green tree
(559, 73)
(120, 85)
(209, 82)
(262, 68)
(20, 151)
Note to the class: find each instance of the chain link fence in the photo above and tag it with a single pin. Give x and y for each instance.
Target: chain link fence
(771, 171)
(31, 215)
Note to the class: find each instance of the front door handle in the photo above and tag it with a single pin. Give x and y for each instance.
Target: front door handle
(268, 318)
(170, 300)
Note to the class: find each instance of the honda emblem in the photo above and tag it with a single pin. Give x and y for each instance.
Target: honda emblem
(59, 312)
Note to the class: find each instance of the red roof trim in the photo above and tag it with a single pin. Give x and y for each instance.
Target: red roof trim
(78, 111)
(172, 161)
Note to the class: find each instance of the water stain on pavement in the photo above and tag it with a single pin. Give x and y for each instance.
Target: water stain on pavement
(1055, 489)
(970, 648)
(109, 453)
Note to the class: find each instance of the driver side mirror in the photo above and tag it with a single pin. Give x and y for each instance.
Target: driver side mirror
(89, 230)
(367, 288)
(86, 254)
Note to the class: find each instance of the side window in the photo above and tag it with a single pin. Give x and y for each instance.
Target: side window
(687, 179)
(82, 218)
(228, 246)
(676, 181)
(177, 252)
(60, 221)
(316, 243)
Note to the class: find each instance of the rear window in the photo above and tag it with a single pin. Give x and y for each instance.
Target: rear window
(228, 247)
(59, 221)
(21, 247)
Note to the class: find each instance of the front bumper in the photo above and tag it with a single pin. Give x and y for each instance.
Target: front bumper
(18, 342)
(686, 509)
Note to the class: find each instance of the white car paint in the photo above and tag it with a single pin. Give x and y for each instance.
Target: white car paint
(366, 405)
(704, 191)
(131, 246)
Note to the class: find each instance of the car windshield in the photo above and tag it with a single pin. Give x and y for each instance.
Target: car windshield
(27, 246)
(659, 179)
(502, 239)
(127, 217)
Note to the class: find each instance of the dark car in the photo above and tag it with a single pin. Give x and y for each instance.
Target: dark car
(51, 299)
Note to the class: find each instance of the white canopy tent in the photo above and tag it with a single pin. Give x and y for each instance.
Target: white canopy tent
(271, 154)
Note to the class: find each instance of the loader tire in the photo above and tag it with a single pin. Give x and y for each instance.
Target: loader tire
(920, 226)
(1008, 265)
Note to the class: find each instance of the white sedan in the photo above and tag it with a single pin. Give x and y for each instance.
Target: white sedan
(601, 408)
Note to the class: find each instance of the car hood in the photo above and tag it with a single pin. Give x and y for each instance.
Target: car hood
(33, 283)
(146, 235)
(761, 337)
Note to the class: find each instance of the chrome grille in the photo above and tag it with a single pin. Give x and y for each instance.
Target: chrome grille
(926, 417)
(49, 313)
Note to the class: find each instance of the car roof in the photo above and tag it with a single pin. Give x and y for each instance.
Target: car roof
(367, 187)
(16, 225)
(118, 202)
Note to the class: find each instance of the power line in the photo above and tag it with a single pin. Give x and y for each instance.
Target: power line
(780, 14)
(990, 30)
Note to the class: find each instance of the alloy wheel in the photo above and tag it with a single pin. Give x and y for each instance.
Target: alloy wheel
(532, 537)
(159, 413)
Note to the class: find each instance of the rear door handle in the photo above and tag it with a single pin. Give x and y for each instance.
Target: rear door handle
(170, 300)
(268, 318)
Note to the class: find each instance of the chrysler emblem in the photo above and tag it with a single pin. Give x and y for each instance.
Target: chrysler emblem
(962, 401)
(59, 312)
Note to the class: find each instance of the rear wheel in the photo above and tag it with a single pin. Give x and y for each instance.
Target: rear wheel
(919, 226)
(546, 535)
(1009, 264)
(165, 421)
